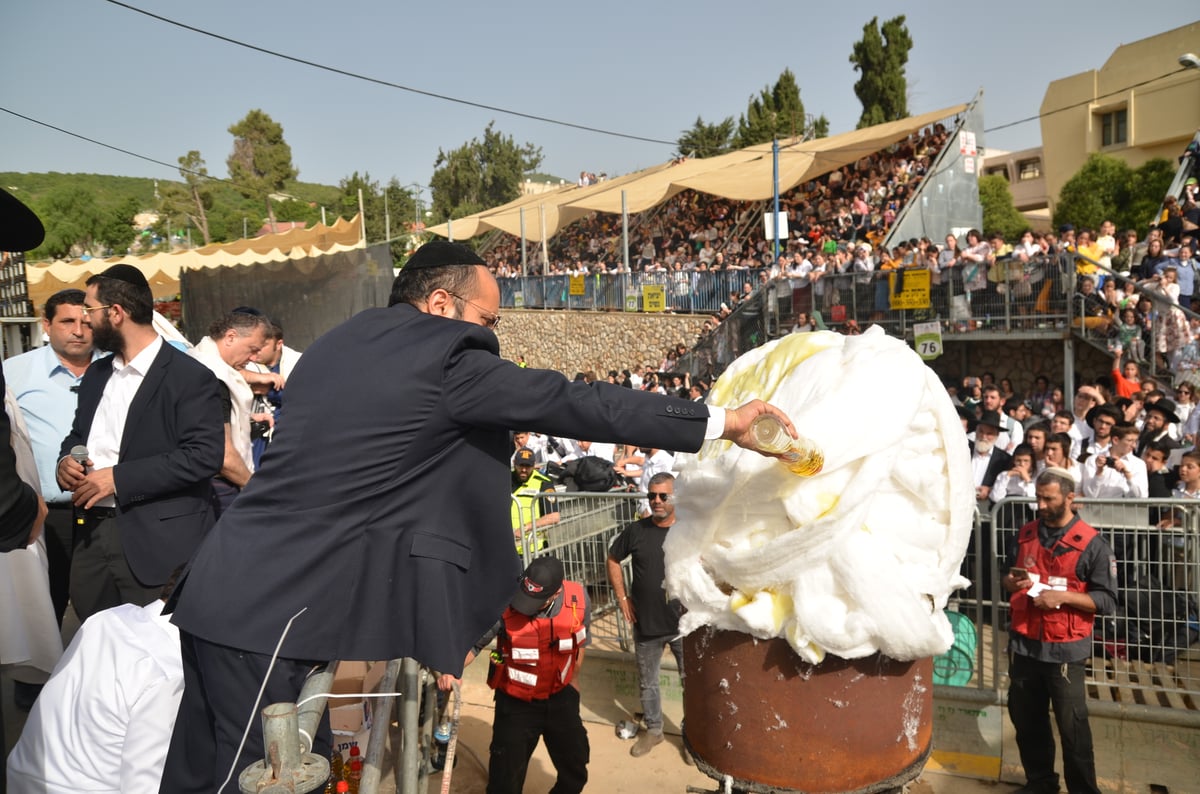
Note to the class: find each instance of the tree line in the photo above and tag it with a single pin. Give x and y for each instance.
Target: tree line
(484, 172)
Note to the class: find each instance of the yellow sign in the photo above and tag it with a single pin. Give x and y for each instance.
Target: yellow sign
(909, 289)
(577, 286)
(654, 298)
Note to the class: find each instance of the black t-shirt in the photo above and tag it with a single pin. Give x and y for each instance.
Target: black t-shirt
(642, 540)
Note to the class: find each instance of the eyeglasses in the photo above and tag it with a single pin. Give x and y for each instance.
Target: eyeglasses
(489, 320)
(654, 497)
(89, 309)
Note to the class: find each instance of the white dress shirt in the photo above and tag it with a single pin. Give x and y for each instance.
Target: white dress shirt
(108, 423)
(1110, 483)
(103, 722)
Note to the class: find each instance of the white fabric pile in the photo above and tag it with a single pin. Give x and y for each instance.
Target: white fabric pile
(861, 557)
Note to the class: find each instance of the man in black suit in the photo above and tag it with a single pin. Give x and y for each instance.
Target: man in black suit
(379, 520)
(987, 459)
(150, 418)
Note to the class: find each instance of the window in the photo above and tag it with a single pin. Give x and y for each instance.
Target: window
(1113, 128)
(999, 170)
(1029, 169)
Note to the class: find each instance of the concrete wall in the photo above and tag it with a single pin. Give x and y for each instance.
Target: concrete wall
(573, 342)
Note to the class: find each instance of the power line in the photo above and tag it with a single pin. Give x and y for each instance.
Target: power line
(1084, 102)
(386, 83)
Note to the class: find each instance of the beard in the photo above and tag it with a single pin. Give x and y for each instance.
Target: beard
(1052, 516)
(106, 338)
(983, 447)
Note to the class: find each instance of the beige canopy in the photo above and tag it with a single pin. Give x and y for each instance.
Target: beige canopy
(162, 270)
(744, 175)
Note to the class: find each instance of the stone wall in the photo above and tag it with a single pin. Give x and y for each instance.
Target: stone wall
(573, 342)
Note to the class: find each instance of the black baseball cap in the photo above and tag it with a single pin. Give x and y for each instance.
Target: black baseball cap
(524, 457)
(539, 583)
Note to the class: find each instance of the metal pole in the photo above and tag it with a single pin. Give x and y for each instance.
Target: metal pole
(625, 231)
(387, 217)
(775, 191)
(381, 719)
(362, 215)
(323, 223)
(309, 717)
(542, 227)
(524, 252)
(246, 234)
(410, 750)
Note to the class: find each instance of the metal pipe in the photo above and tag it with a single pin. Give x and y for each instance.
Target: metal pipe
(310, 712)
(381, 719)
(410, 756)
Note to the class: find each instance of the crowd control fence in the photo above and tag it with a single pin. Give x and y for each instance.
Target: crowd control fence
(1146, 654)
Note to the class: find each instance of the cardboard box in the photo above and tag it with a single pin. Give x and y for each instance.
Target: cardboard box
(350, 717)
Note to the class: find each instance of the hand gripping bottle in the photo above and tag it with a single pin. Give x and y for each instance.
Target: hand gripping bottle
(800, 455)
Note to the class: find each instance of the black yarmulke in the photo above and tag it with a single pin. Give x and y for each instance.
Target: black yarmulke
(127, 273)
(441, 253)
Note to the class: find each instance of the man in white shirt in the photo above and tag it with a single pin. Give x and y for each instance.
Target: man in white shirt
(1116, 472)
(104, 719)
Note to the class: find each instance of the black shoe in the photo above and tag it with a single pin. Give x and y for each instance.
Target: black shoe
(24, 694)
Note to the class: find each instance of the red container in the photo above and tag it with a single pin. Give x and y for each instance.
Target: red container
(757, 712)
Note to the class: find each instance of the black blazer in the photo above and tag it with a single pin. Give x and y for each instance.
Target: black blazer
(1001, 461)
(382, 505)
(18, 501)
(172, 445)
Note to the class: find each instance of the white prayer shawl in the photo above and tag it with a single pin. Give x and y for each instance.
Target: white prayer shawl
(30, 642)
(239, 392)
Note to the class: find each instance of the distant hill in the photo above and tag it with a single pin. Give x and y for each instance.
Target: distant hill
(111, 191)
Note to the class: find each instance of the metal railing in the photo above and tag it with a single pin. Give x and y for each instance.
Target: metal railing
(1146, 654)
(588, 524)
(684, 291)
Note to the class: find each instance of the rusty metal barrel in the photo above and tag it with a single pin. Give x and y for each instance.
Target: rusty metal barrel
(757, 712)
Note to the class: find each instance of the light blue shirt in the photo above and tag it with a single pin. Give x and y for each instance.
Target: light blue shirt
(42, 386)
(1183, 272)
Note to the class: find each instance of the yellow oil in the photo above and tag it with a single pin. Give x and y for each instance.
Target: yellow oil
(806, 463)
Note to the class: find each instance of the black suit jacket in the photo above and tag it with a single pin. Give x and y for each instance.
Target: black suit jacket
(382, 505)
(1001, 461)
(172, 445)
(18, 501)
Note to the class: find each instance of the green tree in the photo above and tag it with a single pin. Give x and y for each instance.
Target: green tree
(194, 198)
(72, 220)
(819, 128)
(481, 174)
(777, 112)
(880, 57)
(999, 213)
(1147, 188)
(706, 140)
(261, 161)
(115, 229)
(1106, 188)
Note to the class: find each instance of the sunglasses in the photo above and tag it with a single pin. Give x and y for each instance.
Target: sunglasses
(654, 497)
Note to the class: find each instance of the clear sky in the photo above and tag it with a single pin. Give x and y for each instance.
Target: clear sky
(646, 69)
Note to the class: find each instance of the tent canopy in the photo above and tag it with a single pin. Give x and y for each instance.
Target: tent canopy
(743, 175)
(162, 270)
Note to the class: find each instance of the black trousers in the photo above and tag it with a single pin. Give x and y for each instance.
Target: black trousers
(60, 544)
(220, 688)
(515, 732)
(1035, 687)
(100, 575)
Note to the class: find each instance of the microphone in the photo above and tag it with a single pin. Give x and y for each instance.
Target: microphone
(79, 453)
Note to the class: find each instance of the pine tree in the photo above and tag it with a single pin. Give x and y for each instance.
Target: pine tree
(880, 57)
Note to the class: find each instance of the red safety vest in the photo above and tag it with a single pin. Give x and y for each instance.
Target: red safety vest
(538, 656)
(1066, 624)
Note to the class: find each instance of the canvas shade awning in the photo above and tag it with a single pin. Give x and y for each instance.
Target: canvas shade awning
(743, 175)
(162, 270)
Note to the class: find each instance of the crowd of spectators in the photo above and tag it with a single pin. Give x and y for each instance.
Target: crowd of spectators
(700, 232)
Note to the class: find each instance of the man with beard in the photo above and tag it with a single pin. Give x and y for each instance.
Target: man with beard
(1062, 574)
(1160, 415)
(150, 419)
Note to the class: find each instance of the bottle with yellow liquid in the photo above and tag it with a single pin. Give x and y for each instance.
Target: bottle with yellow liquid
(800, 455)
